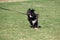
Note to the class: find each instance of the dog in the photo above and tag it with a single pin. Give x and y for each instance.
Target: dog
(32, 18)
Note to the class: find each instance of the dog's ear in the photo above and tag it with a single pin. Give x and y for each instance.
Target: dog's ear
(28, 11)
(32, 9)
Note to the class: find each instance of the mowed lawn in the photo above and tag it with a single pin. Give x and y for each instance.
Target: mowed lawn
(15, 26)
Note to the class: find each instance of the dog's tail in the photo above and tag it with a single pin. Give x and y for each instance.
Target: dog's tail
(39, 26)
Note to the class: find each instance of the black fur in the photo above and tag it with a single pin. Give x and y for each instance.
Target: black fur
(33, 17)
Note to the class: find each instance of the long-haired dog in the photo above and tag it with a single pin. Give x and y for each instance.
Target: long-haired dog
(32, 18)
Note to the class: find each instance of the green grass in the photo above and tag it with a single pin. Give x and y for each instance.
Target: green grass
(14, 25)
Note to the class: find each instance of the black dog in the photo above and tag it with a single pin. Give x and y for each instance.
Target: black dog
(32, 18)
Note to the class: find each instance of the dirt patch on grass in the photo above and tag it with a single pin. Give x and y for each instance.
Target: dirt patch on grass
(12, 0)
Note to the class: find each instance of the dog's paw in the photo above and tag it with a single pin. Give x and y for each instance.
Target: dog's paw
(35, 28)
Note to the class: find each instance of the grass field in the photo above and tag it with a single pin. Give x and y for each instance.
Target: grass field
(14, 25)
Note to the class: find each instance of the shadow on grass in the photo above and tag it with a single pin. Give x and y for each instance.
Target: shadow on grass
(12, 10)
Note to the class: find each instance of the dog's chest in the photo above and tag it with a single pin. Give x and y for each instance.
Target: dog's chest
(34, 21)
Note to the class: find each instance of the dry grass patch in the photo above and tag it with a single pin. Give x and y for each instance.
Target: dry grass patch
(12, 0)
